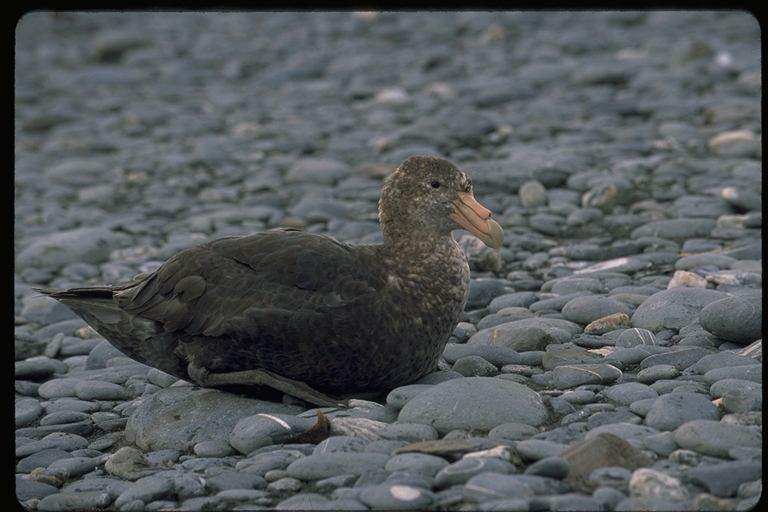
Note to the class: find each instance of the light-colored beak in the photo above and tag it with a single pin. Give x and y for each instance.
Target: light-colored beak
(476, 219)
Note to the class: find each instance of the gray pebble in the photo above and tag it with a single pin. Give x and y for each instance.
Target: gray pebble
(497, 355)
(572, 375)
(584, 310)
(26, 411)
(396, 497)
(263, 429)
(73, 466)
(743, 400)
(753, 372)
(662, 444)
(146, 489)
(260, 463)
(464, 469)
(61, 440)
(420, 463)
(61, 417)
(171, 418)
(503, 402)
(553, 467)
(87, 500)
(340, 444)
(721, 387)
(508, 300)
(673, 309)
(653, 373)
(635, 336)
(474, 366)
(721, 360)
(715, 437)
(412, 432)
(31, 489)
(536, 449)
(532, 194)
(234, 480)
(680, 359)
(38, 368)
(94, 390)
(212, 449)
(673, 409)
(305, 501)
(704, 260)
(608, 497)
(737, 319)
(675, 229)
(400, 396)
(723, 480)
(492, 486)
(513, 430)
(325, 465)
(41, 459)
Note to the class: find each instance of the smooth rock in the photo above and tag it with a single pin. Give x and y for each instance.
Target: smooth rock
(587, 309)
(673, 309)
(396, 497)
(180, 417)
(715, 437)
(723, 480)
(737, 319)
(650, 483)
(87, 244)
(568, 376)
(324, 465)
(464, 469)
(474, 403)
(674, 409)
(489, 486)
(636, 336)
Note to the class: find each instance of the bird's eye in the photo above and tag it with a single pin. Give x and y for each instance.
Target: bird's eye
(435, 184)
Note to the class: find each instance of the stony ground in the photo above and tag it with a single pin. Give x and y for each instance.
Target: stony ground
(610, 356)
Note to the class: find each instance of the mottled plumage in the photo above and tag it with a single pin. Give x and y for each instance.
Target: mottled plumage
(303, 307)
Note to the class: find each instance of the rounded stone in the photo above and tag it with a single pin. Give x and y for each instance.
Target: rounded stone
(715, 437)
(532, 194)
(420, 463)
(180, 417)
(464, 469)
(675, 229)
(635, 336)
(389, 496)
(653, 373)
(412, 432)
(474, 403)
(489, 485)
(673, 309)
(474, 366)
(587, 309)
(497, 355)
(553, 467)
(736, 319)
(673, 409)
(568, 376)
(324, 465)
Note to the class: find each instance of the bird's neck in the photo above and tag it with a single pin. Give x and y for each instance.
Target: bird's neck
(418, 261)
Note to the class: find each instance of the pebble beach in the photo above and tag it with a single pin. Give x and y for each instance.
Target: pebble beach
(610, 354)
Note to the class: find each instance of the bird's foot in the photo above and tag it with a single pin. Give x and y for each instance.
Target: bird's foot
(258, 377)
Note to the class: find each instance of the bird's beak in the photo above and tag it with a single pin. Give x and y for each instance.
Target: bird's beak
(476, 219)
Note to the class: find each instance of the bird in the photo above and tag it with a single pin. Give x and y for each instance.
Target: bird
(303, 313)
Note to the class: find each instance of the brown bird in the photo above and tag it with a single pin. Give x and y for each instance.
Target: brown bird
(303, 313)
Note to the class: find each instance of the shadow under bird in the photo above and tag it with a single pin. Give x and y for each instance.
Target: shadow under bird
(303, 313)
